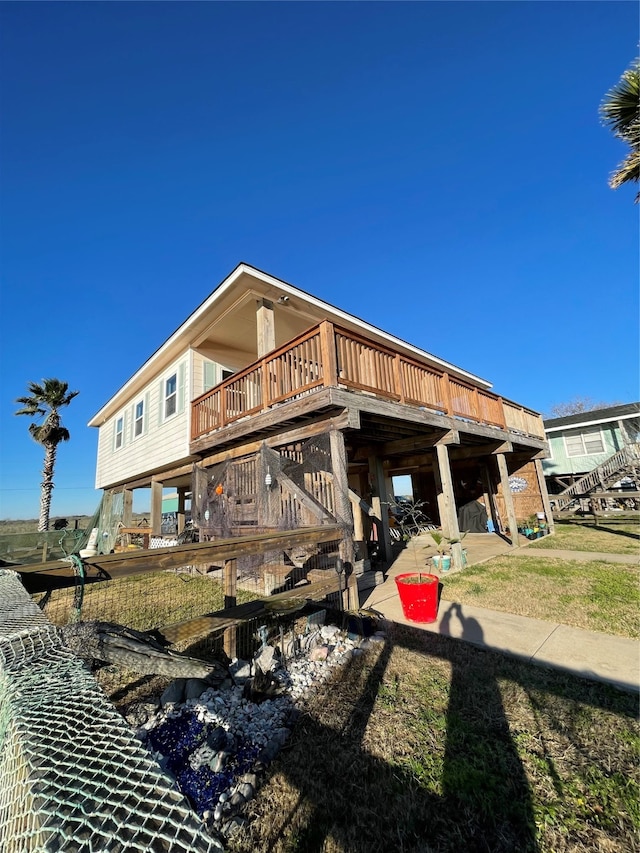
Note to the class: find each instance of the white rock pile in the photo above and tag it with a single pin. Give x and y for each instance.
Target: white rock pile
(216, 741)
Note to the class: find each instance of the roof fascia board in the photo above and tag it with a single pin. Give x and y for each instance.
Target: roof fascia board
(593, 422)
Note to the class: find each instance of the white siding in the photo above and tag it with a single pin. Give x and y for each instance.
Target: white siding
(163, 442)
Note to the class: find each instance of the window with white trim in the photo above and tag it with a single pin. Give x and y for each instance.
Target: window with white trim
(171, 395)
(584, 443)
(138, 419)
(119, 434)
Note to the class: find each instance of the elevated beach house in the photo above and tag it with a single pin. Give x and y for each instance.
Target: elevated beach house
(591, 453)
(270, 408)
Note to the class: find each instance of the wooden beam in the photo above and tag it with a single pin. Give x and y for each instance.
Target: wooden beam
(503, 447)
(303, 497)
(451, 436)
(413, 414)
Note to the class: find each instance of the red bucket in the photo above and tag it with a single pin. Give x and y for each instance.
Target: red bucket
(418, 595)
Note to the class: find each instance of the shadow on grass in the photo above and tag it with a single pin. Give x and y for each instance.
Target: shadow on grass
(613, 530)
(472, 797)
(436, 768)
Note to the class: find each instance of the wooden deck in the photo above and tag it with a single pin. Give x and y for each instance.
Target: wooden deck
(327, 356)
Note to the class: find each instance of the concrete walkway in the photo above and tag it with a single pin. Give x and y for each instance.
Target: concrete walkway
(601, 657)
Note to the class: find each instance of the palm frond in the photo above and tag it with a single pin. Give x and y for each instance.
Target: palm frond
(620, 110)
(627, 171)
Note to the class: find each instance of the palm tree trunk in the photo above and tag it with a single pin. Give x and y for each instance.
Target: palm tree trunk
(46, 487)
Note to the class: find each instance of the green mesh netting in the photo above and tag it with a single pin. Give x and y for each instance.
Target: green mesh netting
(72, 775)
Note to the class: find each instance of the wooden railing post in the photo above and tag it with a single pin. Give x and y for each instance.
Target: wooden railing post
(503, 425)
(328, 354)
(223, 406)
(266, 397)
(446, 393)
(476, 403)
(397, 377)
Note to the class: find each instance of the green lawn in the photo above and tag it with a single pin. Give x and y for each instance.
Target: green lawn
(608, 537)
(593, 595)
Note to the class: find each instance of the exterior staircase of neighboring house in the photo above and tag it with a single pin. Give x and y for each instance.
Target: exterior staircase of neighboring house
(624, 462)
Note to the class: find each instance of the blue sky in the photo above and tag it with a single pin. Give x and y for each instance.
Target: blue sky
(436, 168)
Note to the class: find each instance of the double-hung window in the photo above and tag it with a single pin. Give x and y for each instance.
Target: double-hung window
(584, 443)
(119, 433)
(171, 395)
(138, 419)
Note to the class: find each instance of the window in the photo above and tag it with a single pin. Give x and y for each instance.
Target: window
(584, 443)
(119, 436)
(171, 395)
(171, 391)
(138, 419)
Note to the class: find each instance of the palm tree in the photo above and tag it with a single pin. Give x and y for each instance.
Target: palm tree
(620, 111)
(45, 401)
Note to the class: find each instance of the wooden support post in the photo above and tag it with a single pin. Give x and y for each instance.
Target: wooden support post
(343, 511)
(447, 501)
(181, 513)
(353, 598)
(230, 578)
(546, 503)
(266, 327)
(489, 497)
(508, 499)
(127, 509)
(380, 506)
(156, 508)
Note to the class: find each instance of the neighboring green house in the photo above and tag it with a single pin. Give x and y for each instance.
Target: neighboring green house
(579, 443)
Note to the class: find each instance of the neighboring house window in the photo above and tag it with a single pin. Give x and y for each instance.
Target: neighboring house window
(171, 395)
(119, 435)
(584, 443)
(138, 419)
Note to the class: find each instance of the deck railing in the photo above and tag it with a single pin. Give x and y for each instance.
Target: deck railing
(330, 356)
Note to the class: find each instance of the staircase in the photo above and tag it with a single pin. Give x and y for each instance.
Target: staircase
(623, 462)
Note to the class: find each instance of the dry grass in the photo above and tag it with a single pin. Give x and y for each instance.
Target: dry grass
(433, 745)
(142, 601)
(596, 596)
(608, 537)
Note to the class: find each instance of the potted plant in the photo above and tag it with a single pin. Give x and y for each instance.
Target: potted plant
(441, 560)
(418, 593)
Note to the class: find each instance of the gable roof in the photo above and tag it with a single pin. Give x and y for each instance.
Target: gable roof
(243, 284)
(611, 413)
